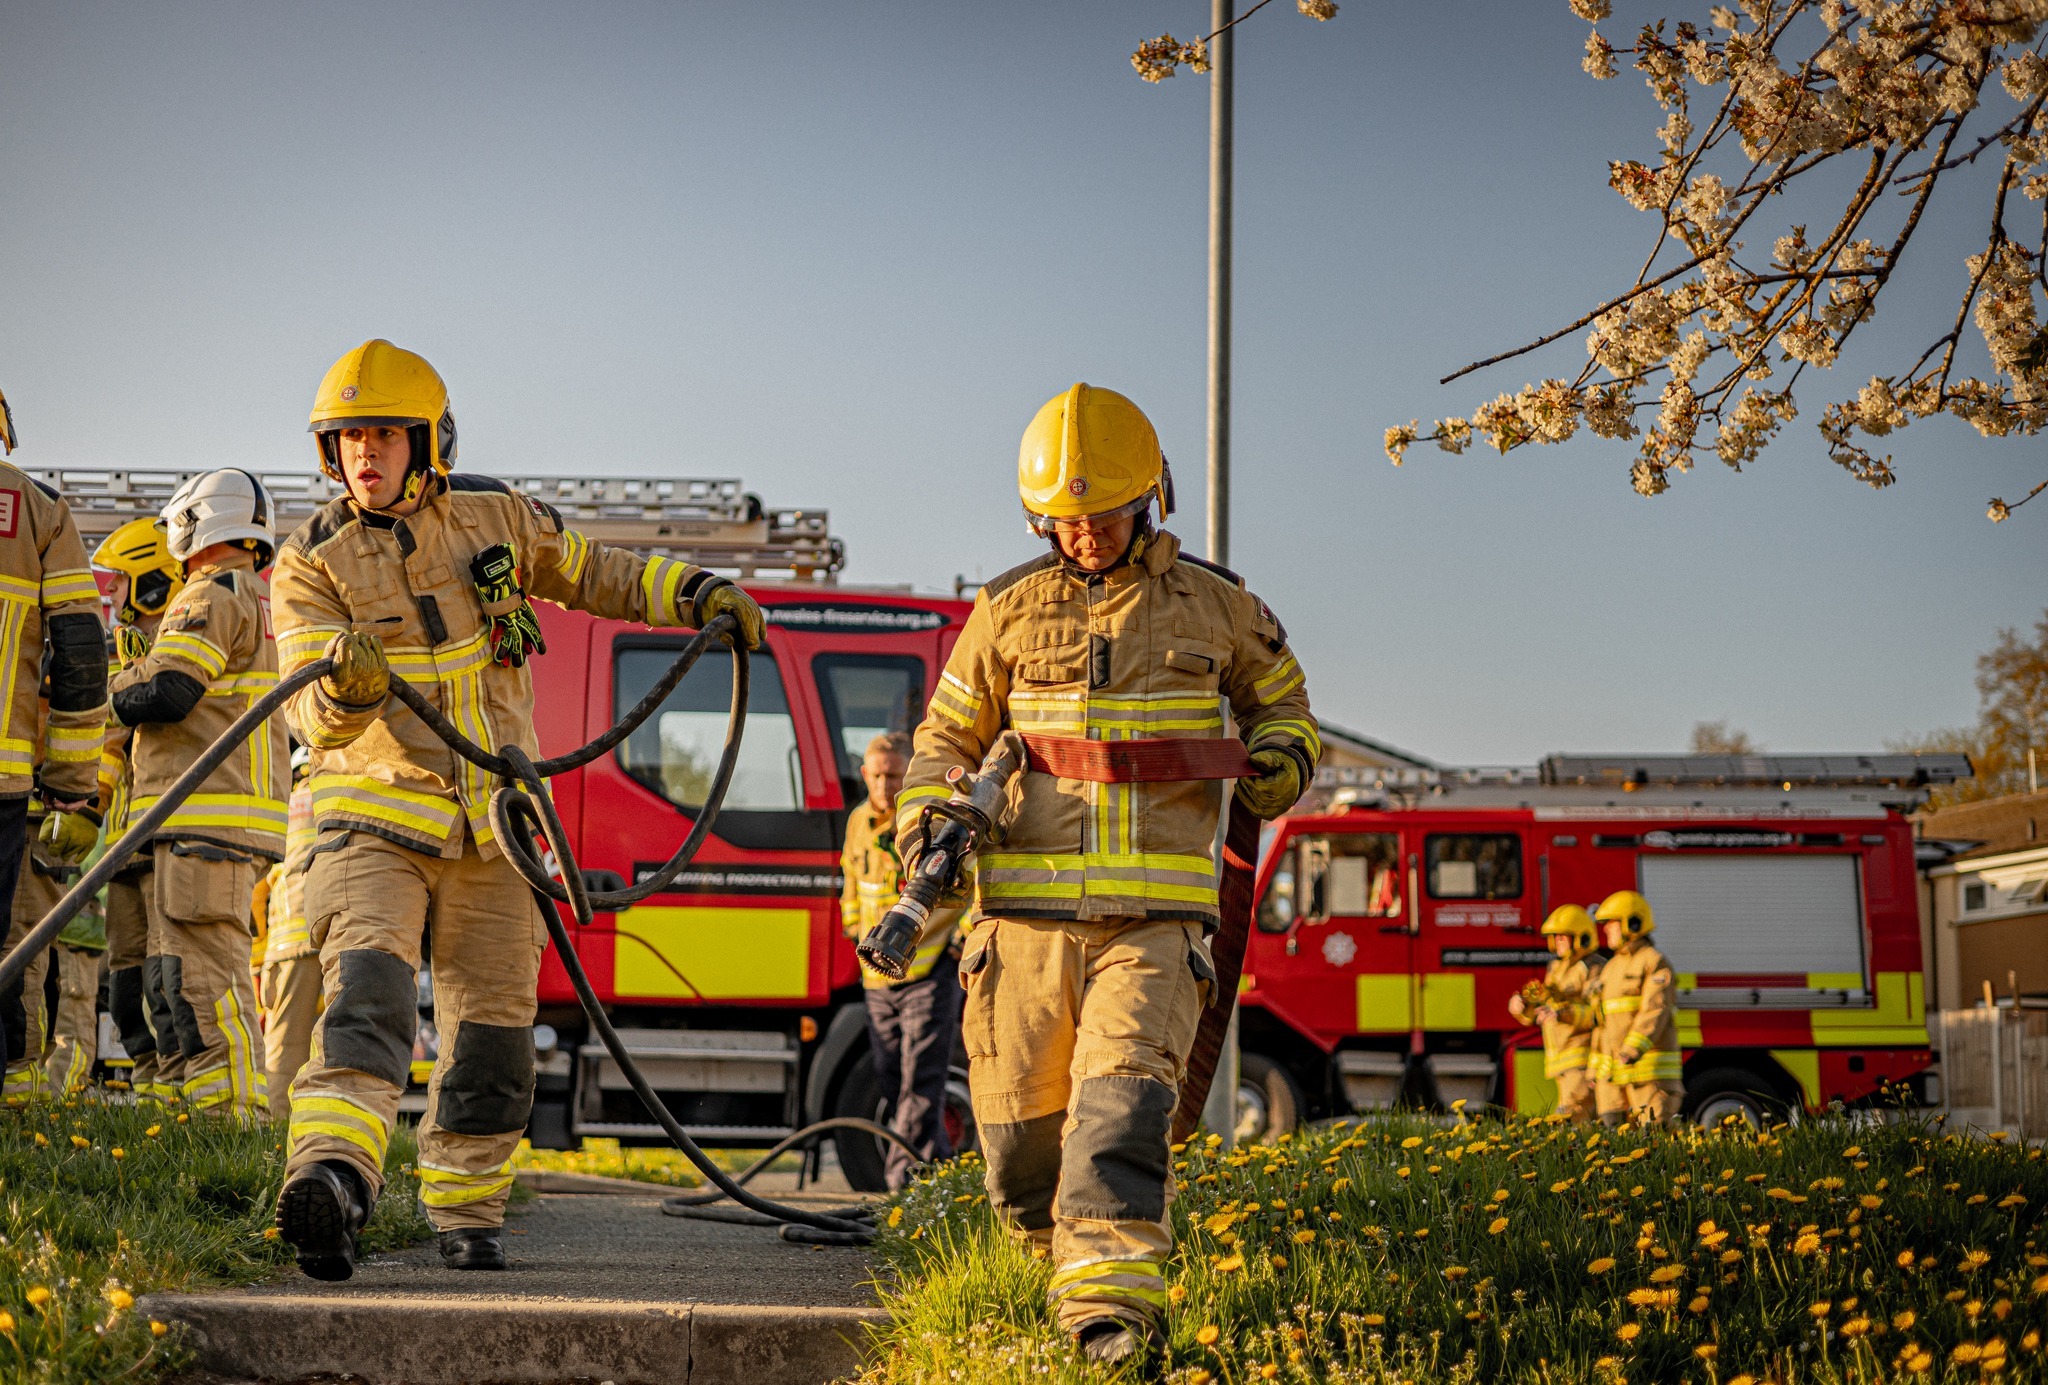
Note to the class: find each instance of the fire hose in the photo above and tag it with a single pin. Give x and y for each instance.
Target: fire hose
(518, 808)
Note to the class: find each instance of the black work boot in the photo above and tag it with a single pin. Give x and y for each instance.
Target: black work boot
(319, 1212)
(1114, 1342)
(473, 1248)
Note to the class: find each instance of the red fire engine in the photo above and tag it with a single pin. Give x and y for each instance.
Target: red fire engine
(1399, 912)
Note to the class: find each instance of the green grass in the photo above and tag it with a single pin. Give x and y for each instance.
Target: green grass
(1406, 1250)
(100, 1205)
(662, 1165)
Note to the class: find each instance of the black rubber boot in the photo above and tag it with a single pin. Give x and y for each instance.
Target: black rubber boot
(473, 1248)
(1115, 1342)
(319, 1213)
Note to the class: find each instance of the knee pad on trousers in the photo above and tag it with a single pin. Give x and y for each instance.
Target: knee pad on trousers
(372, 1017)
(14, 1020)
(1115, 1162)
(124, 1003)
(488, 1087)
(184, 1019)
(1023, 1168)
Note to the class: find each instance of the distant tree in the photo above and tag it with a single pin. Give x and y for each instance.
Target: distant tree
(1156, 59)
(1859, 110)
(1714, 738)
(2012, 719)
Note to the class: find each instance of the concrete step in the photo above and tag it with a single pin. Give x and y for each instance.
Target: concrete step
(420, 1339)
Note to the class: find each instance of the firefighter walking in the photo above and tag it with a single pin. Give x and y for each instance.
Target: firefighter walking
(1639, 1060)
(1564, 1004)
(214, 654)
(1088, 965)
(53, 722)
(913, 1022)
(143, 578)
(427, 573)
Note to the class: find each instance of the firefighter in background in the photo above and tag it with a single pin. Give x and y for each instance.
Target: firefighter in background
(1564, 1003)
(912, 1023)
(143, 578)
(1639, 1016)
(287, 964)
(213, 656)
(427, 573)
(42, 881)
(49, 745)
(1088, 968)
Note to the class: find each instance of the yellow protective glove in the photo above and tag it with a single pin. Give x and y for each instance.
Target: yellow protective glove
(727, 599)
(130, 644)
(1632, 1048)
(1275, 790)
(70, 837)
(360, 677)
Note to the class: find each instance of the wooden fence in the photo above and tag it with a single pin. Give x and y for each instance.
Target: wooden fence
(1994, 1067)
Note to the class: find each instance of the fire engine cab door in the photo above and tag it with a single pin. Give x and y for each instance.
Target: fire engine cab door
(1478, 939)
(1352, 960)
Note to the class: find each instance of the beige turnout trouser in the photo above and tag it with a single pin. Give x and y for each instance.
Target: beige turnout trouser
(290, 996)
(198, 906)
(135, 998)
(24, 1078)
(369, 902)
(1077, 1038)
(75, 1037)
(1574, 1094)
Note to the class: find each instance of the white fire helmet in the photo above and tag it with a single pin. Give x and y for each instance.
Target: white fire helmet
(222, 506)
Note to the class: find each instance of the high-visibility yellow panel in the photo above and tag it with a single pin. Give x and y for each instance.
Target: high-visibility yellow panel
(1449, 1001)
(1804, 1064)
(1834, 980)
(1898, 1019)
(727, 954)
(1383, 1002)
(1535, 1094)
(1689, 1035)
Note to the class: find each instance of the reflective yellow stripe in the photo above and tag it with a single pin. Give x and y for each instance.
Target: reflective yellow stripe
(299, 647)
(954, 700)
(441, 1187)
(254, 683)
(208, 1089)
(246, 1080)
(1567, 1060)
(1284, 679)
(73, 744)
(661, 582)
(232, 811)
(20, 589)
(65, 588)
(574, 555)
(1287, 730)
(1127, 1281)
(341, 1118)
(193, 649)
(1658, 1065)
(1620, 1004)
(358, 795)
(909, 804)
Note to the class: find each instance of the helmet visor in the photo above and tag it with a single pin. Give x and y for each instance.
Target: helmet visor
(342, 425)
(1045, 525)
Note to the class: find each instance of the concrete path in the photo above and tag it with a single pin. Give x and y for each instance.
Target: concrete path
(602, 1288)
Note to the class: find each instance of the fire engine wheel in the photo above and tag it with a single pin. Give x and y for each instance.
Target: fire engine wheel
(1723, 1094)
(860, 1154)
(1268, 1106)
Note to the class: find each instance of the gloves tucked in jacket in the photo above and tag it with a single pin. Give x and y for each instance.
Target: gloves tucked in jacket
(70, 837)
(130, 644)
(360, 677)
(1278, 785)
(515, 630)
(721, 597)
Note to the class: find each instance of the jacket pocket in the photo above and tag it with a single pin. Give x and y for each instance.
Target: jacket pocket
(1050, 673)
(978, 970)
(1189, 661)
(1205, 973)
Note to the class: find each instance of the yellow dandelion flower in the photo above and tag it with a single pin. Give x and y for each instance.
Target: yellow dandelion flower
(1375, 1319)
(154, 1131)
(2039, 1286)
(1304, 1238)
(1667, 1273)
(1856, 1327)
(1208, 1333)
(895, 1217)
(1496, 1226)
(1917, 1359)
(80, 1142)
(1230, 1264)
(42, 1139)
(1852, 1151)
(1601, 1266)
(1454, 1273)
(1268, 1371)
(2010, 1201)
(1903, 1322)
(1965, 1353)
(1698, 1305)
(1904, 1260)
(1411, 1142)
(1200, 1378)
(2031, 1341)
(1401, 1172)
(1974, 1199)
(121, 1299)
(1500, 1194)
(1643, 1298)
(1629, 1331)
(184, 1119)
(1974, 1260)
(1340, 1185)
(1279, 1262)
(1870, 1202)
(1742, 1380)
(1706, 1351)
(1806, 1245)
(1821, 1309)
(1563, 1185)
(38, 1296)
(1177, 1294)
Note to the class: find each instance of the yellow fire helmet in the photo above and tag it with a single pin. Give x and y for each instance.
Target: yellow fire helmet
(1090, 452)
(1572, 921)
(6, 427)
(379, 384)
(140, 549)
(1630, 910)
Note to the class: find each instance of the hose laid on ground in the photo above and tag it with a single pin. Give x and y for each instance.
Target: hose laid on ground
(511, 810)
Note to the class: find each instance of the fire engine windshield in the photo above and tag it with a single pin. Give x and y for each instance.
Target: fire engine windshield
(675, 752)
(865, 695)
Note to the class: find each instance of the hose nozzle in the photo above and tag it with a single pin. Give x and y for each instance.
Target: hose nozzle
(887, 946)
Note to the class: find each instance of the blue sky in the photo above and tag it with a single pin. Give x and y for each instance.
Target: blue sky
(845, 252)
